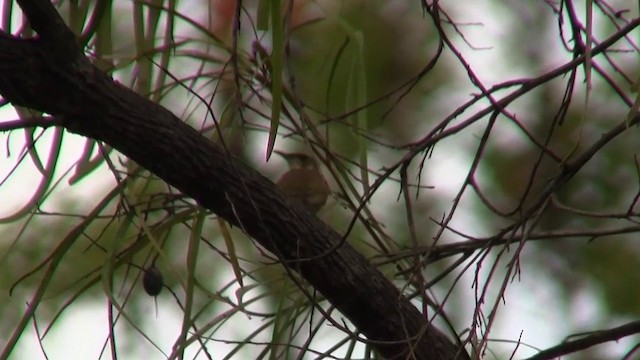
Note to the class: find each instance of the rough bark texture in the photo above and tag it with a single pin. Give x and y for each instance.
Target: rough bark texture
(51, 74)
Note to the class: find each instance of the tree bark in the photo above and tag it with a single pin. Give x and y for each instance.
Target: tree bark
(50, 73)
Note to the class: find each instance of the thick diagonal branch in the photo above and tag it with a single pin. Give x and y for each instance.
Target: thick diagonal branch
(56, 78)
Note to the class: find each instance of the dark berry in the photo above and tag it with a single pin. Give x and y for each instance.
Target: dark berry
(152, 281)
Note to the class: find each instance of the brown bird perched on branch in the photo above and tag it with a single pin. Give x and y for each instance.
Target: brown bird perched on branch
(304, 181)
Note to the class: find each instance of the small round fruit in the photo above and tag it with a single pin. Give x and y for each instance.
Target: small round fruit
(152, 281)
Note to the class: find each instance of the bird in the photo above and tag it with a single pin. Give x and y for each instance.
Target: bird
(303, 182)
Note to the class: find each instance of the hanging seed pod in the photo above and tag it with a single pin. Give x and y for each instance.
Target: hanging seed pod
(152, 281)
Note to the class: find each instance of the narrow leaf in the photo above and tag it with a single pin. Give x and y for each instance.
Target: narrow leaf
(277, 55)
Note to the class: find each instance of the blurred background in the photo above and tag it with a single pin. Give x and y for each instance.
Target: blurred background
(454, 117)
